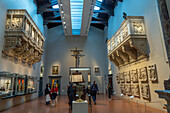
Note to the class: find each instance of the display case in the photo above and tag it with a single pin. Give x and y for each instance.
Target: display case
(31, 84)
(20, 84)
(6, 84)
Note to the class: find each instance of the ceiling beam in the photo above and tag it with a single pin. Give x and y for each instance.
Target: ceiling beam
(52, 17)
(59, 21)
(100, 11)
(47, 10)
(98, 18)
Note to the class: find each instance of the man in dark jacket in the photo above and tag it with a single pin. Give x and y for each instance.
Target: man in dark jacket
(70, 94)
(94, 90)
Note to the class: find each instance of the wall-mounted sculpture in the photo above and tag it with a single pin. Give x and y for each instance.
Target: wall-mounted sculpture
(136, 90)
(143, 74)
(128, 89)
(129, 43)
(127, 77)
(24, 42)
(118, 78)
(153, 73)
(145, 90)
(134, 75)
(122, 78)
(122, 88)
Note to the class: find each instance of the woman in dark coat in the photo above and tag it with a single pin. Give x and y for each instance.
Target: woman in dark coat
(47, 94)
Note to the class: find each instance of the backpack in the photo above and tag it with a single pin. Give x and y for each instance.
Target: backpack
(94, 88)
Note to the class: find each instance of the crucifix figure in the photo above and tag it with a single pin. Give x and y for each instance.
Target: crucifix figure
(77, 55)
(7, 83)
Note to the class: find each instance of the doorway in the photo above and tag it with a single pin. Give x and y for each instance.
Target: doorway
(57, 80)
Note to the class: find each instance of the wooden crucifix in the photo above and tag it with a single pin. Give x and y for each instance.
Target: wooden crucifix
(7, 84)
(77, 55)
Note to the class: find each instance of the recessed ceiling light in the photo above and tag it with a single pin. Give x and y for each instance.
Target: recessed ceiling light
(64, 22)
(63, 16)
(55, 6)
(61, 4)
(62, 11)
(65, 27)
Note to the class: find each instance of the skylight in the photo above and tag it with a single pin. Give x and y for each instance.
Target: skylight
(96, 8)
(76, 15)
(55, 6)
(100, 0)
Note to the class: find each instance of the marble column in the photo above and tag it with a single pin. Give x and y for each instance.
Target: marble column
(165, 22)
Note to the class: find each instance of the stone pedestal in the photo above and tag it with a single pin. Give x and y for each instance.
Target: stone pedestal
(165, 94)
(80, 107)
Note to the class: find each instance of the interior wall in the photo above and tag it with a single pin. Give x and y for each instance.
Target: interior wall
(6, 65)
(157, 55)
(58, 53)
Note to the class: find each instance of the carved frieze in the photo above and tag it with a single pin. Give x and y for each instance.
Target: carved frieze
(23, 39)
(136, 90)
(127, 77)
(134, 75)
(145, 90)
(143, 75)
(153, 73)
(130, 40)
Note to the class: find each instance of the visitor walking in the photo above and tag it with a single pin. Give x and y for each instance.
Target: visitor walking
(47, 94)
(71, 94)
(54, 93)
(109, 91)
(94, 90)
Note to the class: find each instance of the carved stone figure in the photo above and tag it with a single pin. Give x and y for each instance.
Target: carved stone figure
(127, 77)
(143, 75)
(136, 90)
(122, 78)
(122, 88)
(8, 21)
(118, 78)
(128, 89)
(145, 91)
(138, 27)
(125, 32)
(153, 73)
(134, 75)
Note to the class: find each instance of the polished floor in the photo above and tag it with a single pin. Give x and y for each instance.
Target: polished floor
(103, 106)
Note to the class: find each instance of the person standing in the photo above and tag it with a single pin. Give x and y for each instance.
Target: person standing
(94, 90)
(54, 93)
(109, 91)
(47, 94)
(70, 94)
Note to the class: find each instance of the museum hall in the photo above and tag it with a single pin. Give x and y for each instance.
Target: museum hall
(84, 56)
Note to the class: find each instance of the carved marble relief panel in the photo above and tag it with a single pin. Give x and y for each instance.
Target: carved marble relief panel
(145, 90)
(127, 77)
(136, 90)
(134, 75)
(16, 23)
(122, 78)
(125, 32)
(143, 75)
(122, 87)
(138, 27)
(153, 73)
(128, 89)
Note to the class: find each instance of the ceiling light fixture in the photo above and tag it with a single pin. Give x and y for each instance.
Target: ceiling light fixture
(62, 11)
(61, 4)
(96, 8)
(55, 6)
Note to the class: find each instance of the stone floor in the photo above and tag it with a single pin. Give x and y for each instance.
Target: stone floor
(103, 106)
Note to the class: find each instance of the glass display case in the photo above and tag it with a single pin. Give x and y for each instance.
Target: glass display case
(31, 84)
(20, 84)
(6, 84)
